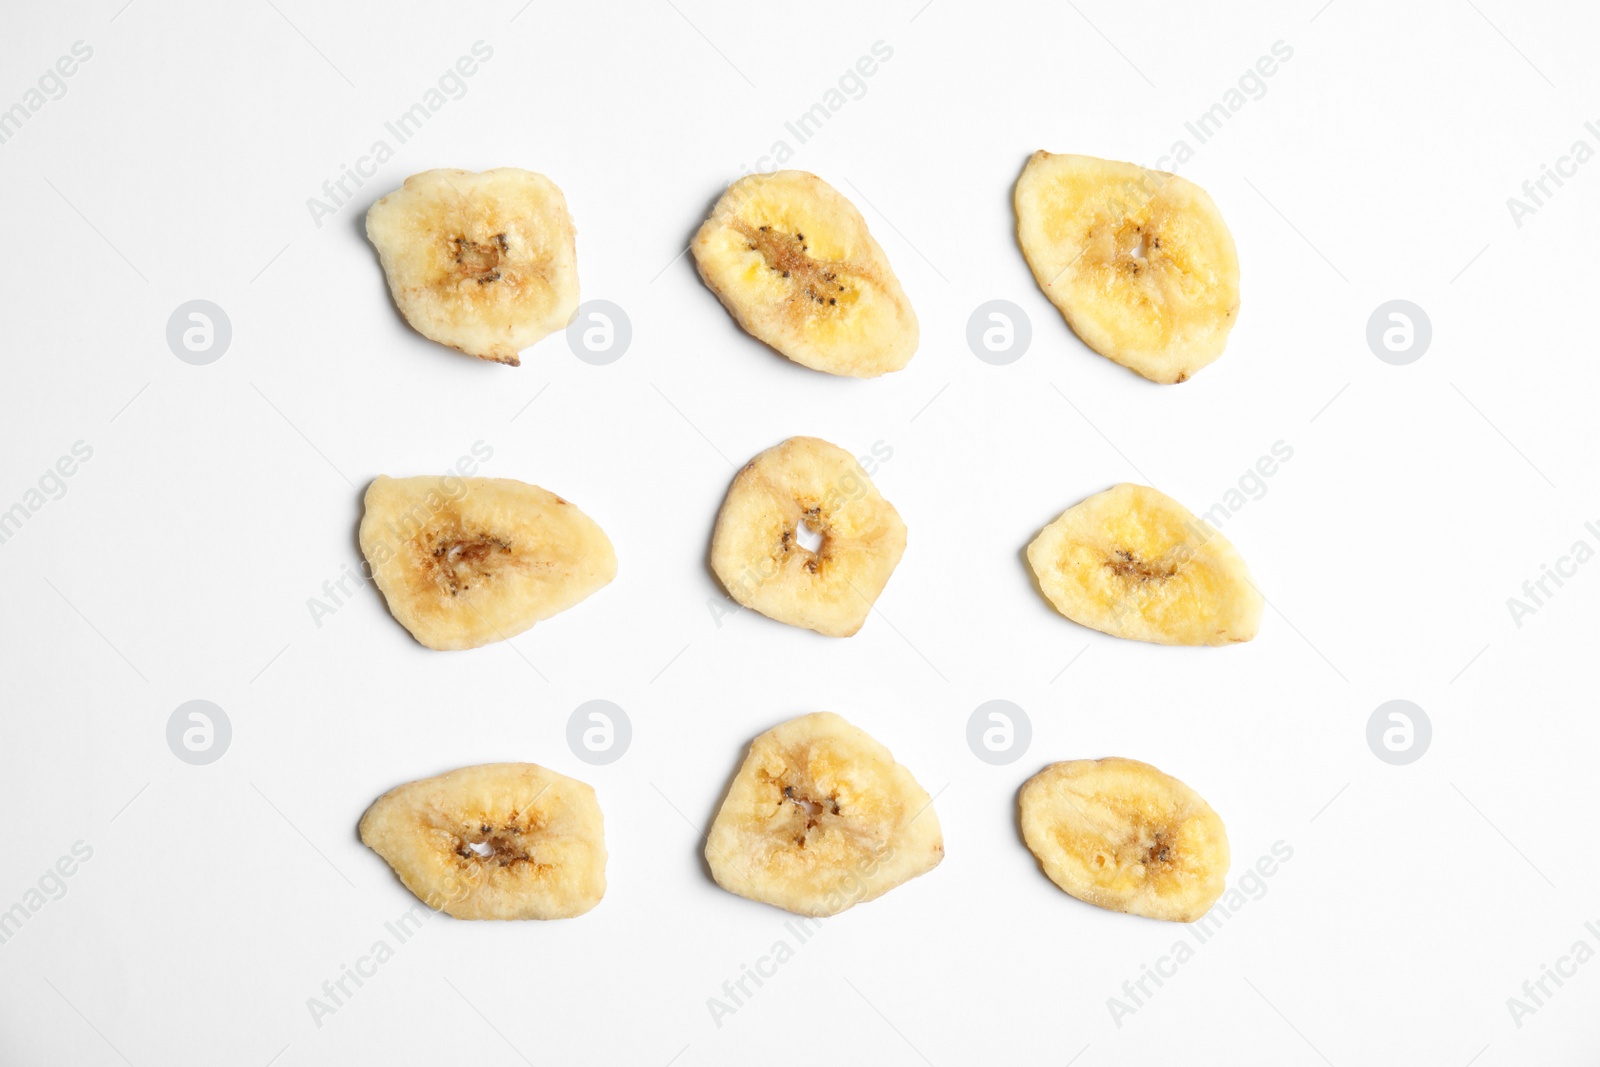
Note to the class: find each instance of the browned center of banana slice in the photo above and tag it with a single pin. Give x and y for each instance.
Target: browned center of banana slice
(497, 841)
(819, 818)
(1122, 835)
(758, 551)
(793, 262)
(464, 562)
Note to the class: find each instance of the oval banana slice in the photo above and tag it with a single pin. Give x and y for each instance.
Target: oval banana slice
(792, 261)
(484, 263)
(1138, 261)
(1121, 835)
(496, 841)
(464, 562)
(757, 551)
(1132, 562)
(820, 818)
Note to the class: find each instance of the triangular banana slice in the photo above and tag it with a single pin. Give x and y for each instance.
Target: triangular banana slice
(757, 551)
(1138, 261)
(464, 562)
(792, 261)
(496, 841)
(1134, 563)
(1122, 835)
(485, 263)
(820, 818)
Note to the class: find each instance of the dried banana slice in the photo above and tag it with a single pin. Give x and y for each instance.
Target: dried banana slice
(792, 261)
(1120, 834)
(820, 818)
(756, 548)
(1134, 563)
(496, 841)
(1138, 261)
(484, 263)
(464, 562)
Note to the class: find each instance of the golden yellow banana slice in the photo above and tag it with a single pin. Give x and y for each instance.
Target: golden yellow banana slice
(820, 818)
(1121, 835)
(792, 261)
(757, 550)
(1132, 562)
(464, 562)
(496, 841)
(484, 263)
(1138, 261)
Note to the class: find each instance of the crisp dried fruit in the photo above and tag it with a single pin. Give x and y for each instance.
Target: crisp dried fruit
(485, 263)
(1134, 563)
(1120, 834)
(820, 818)
(792, 261)
(1138, 261)
(464, 562)
(496, 841)
(758, 555)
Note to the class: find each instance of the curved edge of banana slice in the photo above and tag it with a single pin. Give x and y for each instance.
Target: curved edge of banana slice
(1139, 262)
(1125, 836)
(484, 263)
(793, 262)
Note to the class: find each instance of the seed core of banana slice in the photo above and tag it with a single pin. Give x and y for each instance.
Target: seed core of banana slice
(1132, 562)
(820, 818)
(792, 261)
(484, 263)
(1121, 835)
(1139, 261)
(757, 551)
(464, 562)
(496, 841)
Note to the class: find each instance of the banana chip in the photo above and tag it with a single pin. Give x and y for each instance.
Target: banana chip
(792, 261)
(1138, 261)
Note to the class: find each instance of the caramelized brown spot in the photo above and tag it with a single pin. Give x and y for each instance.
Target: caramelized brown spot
(1126, 565)
(480, 262)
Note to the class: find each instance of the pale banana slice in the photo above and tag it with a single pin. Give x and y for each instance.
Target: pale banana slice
(1134, 563)
(1138, 261)
(464, 562)
(496, 841)
(1121, 835)
(484, 263)
(756, 549)
(792, 261)
(820, 818)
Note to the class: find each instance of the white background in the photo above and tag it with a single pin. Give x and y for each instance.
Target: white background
(179, 562)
